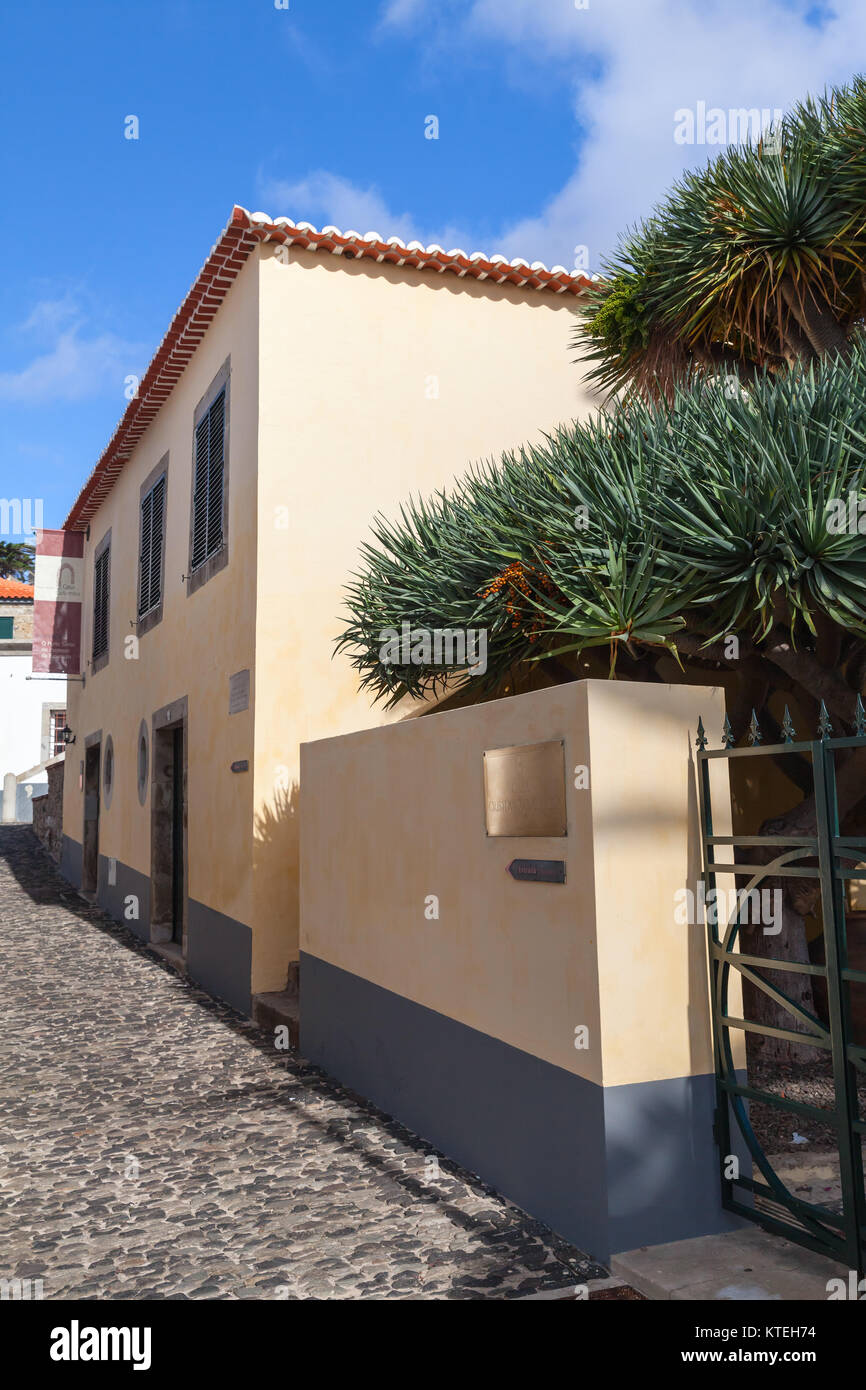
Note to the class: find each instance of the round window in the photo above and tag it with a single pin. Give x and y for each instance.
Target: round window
(142, 762)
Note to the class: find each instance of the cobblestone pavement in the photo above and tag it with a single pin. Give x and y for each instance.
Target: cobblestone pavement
(154, 1145)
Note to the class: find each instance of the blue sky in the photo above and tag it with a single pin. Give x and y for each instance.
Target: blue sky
(555, 130)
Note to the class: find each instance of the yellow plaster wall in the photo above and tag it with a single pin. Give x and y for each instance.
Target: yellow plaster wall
(390, 816)
(201, 640)
(352, 356)
(653, 976)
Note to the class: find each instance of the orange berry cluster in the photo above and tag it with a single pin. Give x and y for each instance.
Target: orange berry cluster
(513, 582)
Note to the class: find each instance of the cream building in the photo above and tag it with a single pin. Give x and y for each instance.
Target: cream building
(309, 380)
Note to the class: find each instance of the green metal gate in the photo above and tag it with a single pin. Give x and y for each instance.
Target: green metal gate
(764, 1198)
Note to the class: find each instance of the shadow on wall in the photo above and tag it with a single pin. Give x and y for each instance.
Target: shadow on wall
(276, 825)
(276, 869)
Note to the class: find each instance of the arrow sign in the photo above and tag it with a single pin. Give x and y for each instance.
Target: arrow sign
(538, 870)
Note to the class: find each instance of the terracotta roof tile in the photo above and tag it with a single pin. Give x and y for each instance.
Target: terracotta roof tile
(15, 588)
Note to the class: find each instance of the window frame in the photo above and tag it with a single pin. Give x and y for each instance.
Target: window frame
(100, 660)
(54, 727)
(217, 561)
(142, 765)
(145, 621)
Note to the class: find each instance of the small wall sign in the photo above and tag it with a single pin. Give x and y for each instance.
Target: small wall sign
(538, 870)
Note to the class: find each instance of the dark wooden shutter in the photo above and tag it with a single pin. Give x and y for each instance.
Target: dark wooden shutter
(150, 556)
(157, 542)
(100, 604)
(144, 553)
(199, 499)
(207, 505)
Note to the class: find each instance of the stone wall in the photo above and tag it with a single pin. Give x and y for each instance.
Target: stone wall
(22, 613)
(48, 810)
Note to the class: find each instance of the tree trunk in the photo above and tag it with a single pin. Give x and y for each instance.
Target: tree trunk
(816, 320)
(788, 945)
(799, 898)
(797, 345)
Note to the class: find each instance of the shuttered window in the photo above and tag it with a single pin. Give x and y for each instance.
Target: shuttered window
(150, 548)
(100, 604)
(207, 501)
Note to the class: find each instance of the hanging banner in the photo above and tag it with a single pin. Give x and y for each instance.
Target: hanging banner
(57, 593)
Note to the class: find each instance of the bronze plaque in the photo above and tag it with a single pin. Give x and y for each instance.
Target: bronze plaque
(524, 789)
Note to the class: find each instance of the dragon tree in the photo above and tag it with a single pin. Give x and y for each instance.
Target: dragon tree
(709, 524)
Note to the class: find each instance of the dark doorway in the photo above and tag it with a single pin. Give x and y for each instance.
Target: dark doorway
(90, 856)
(168, 836)
(177, 824)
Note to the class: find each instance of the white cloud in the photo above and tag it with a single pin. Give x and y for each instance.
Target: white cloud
(49, 315)
(634, 63)
(399, 12)
(324, 198)
(327, 199)
(74, 366)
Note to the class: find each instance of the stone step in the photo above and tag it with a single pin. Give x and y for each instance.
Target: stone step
(280, 1009)
(293, 984)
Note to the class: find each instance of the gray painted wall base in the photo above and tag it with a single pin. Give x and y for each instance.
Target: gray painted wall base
(663, 1179)
(129, 893)
(219, 955)
(71, 855)
(609, 1168)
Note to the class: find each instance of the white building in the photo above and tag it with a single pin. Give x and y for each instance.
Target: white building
(32, 707)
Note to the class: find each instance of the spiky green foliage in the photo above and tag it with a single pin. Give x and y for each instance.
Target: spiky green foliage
(661, 525)
(16, 561)
(757, 258)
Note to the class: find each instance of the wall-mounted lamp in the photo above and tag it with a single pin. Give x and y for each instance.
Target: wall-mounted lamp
(67, 735)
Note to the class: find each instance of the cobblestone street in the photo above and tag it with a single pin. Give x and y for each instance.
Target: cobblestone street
(154, 1145)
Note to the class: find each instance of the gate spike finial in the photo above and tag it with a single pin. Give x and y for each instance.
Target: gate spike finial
(860, 719)
(727, 734)
(701, 740)
(788, 727)
(755, 735)
(825, 728)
